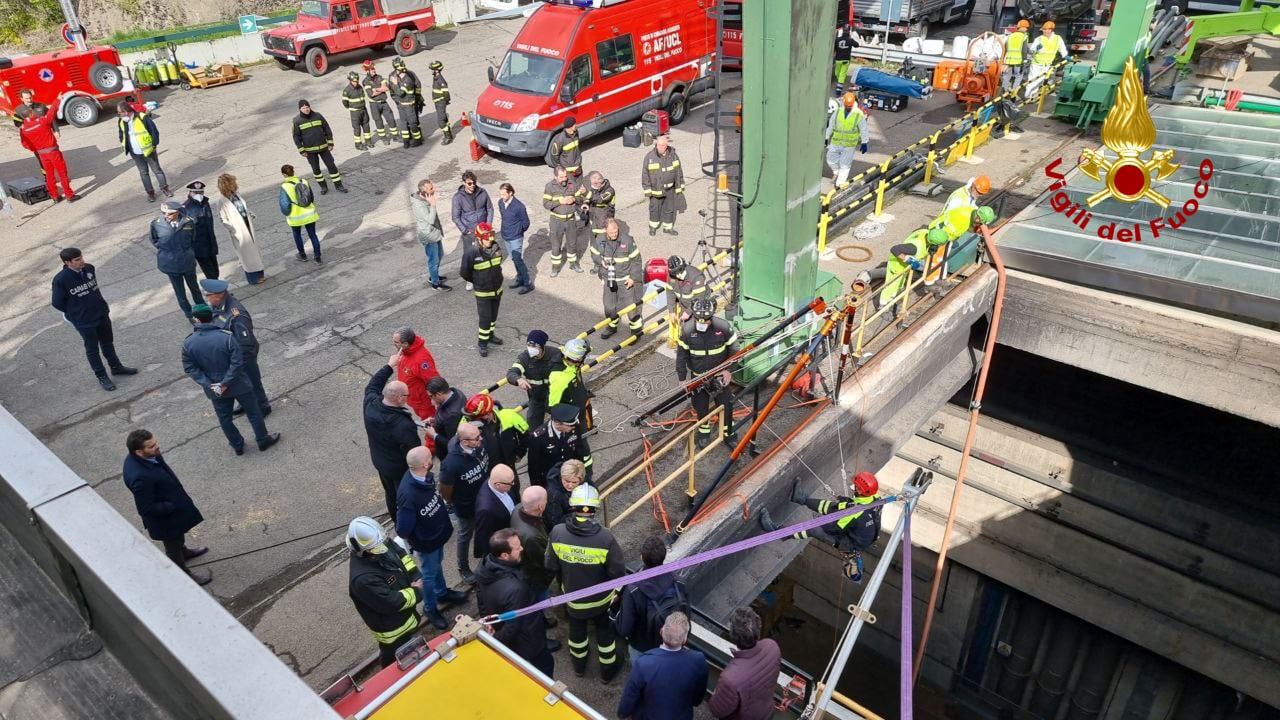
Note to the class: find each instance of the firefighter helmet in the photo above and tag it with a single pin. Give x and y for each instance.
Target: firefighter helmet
(478, 405)
(1048, 25)
(865, 484)
(364, 534)
(436, 66)
(585, 497)
(576, 350)
(367, 64)
(982, 184)
(353, 75)
(398, 64)
(936, 236)
(676, 264)
(849, 99)
(484, 230)
(702, 308)
(1024, 24)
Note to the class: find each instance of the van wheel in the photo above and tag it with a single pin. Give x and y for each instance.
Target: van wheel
(317, 61)
(80, 111)
(407, 42)
(105, 77)
(286, 64)
(677, 108)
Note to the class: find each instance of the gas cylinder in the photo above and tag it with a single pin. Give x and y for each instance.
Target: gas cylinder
(162, 73)
(172, 68)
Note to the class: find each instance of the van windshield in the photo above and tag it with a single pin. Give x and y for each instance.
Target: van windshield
(315, 8)
(528, 73)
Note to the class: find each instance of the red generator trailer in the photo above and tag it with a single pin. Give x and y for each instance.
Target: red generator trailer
(324, 28)
(74, 84)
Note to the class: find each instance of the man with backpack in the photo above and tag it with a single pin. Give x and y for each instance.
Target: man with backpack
(646, 605)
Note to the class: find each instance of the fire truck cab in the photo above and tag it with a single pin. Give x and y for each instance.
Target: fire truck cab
(602, 62)
(74, 84)
(324, 28)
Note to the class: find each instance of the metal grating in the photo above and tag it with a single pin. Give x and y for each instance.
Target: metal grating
(1224, 259)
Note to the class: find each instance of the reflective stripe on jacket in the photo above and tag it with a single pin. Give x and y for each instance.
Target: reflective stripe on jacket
(895, 277)
(1013, 48)
(299, 215)
(848, 131)
(1047, 49)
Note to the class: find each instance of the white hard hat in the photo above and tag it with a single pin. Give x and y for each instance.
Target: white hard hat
(585, 496)
(365, 534)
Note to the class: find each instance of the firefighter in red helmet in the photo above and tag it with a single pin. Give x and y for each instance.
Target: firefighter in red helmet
(850, 534)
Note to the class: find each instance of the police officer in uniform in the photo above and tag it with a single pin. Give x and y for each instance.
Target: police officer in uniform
(566, 384)
(231, 315)
(565, 150)
(375, 88)
(555, 441)
(353, 100)
(314, 140)
(706, 341)
(662, 179)
(531, 371)
(850, 534)
(582, 553)
(559, 198)
(406, 90)
(618, 265)
(440, 98)
(213, 359)
(482, 267)
(384, 585)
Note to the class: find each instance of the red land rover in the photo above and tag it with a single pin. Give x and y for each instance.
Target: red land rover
(324, 28)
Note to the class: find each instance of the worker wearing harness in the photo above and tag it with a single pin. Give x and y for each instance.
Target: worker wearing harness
(850, 534)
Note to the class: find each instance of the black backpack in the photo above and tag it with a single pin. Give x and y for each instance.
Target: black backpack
(657, 611)
(302, 190)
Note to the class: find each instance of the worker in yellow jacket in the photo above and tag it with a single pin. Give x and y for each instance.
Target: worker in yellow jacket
(1015, 65)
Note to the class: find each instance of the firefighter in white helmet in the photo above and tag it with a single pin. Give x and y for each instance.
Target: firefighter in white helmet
(385, 586)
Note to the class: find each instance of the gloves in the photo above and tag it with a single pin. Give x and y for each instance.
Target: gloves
(915, 264)
(863, 148)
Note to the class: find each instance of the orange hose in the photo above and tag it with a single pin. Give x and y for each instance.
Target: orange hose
(659, 510)
(975, 409)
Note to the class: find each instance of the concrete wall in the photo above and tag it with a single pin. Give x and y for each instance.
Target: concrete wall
(1220, 363)
(190, 654)
(239, 49)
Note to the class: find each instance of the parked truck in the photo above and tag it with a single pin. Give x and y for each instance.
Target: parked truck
(914, 17)
(325, 28)
(73, 83)
(1077, 20)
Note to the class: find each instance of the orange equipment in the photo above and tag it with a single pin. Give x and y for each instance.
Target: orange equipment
(981, 80)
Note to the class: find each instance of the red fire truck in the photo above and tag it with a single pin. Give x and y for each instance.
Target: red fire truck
(326, 28)
(603, 62)
(73, 83)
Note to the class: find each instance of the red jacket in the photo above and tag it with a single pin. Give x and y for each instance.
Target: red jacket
(416, 368)
(37, 132)
(745, 688)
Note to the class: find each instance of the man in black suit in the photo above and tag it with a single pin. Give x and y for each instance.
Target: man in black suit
(494, 505)
(166, 509)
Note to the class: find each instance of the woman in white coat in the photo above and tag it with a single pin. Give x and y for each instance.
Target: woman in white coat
(235, 216)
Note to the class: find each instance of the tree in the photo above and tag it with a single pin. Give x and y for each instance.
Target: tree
(21, 17)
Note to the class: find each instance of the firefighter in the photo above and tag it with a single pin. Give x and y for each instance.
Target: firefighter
(503, 430)
(559, 198)
(1015, 66)
(582, 553)
(377, 92)
(850, 534)
(1045, 51)
(555, 441)
(845, 43)
(705, 343)
(314, 140)
(847, 132)
(687, 283)
(662, 179)
(385, 586)
(598, 200)
(37, 134)
(565, 384)
(482, 268)
(564, 150)
(440, 98)
(531, 371)
(619, 267)
(406, 91)
(353, 100)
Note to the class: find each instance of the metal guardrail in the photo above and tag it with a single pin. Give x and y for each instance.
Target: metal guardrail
(228, 27)
(856, 194)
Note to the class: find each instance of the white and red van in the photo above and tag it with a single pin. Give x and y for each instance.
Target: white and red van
(603, 62)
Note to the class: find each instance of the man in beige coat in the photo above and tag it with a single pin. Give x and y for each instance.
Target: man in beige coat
(234, 214)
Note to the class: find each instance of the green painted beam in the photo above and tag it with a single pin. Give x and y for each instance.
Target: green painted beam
(1254, 22)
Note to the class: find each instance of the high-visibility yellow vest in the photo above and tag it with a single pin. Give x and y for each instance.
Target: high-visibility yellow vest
(955, 222)
(1013, 48)
(895, 277)
(1049, 49)
(847, 131)
(299, 215)
(136, 126)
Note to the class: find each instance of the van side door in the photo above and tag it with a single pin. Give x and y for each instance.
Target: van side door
(347, 35)
(368, 32)
(617, 58)
(577, 90)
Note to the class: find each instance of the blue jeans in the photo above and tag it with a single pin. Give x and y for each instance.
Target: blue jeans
(311, 233)
(466, 529)
(177, 280)
(434, 252)
(223, 406)
(516, 248)
(433, 584)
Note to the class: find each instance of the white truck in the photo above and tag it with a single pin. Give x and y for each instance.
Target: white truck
(911, 18)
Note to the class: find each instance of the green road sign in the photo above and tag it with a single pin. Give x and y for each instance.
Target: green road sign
(248, 24)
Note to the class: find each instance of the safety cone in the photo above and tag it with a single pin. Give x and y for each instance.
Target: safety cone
(477, 150)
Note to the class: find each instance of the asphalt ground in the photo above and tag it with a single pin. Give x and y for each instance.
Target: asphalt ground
(274, 520)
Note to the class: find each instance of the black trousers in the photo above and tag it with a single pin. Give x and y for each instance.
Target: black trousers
(390, 486)
(606, 644)
(360, 126)
(615, 300)
(662, 211)
(382, 117)
(100, 337)
(564, 240)
(387, 651)
(701, 400)
(409, 123)
(442, 118)
(174, 549)
(536, 409)
(208, 266)
(314, 159)
(487, 311)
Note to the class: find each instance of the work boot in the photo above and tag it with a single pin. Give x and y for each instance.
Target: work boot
(670, 231)
(338, 184)
(408, 143)
(448, 137)
(202, 577)
(123, 370)
(324, 187)
(151, 197)
(483, 349)
(653, 231)
(495, 340)
(798, 496)
(417, 142)
(451, 597)
(301, 256)
(193, 553)
(525, 289)
(436, 619)
(167, 191)
(704, 439)
(766, 521)
(608, 332)
(73, 197)
(609, 672)
(555, 271)
(106, 383)
(574, 266)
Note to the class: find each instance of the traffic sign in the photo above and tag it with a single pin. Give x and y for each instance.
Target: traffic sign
(248, 24)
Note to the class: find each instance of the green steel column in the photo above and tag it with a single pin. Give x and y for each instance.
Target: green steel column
(787, 57)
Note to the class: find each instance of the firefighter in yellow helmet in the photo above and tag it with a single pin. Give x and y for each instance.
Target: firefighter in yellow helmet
(847, 133)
